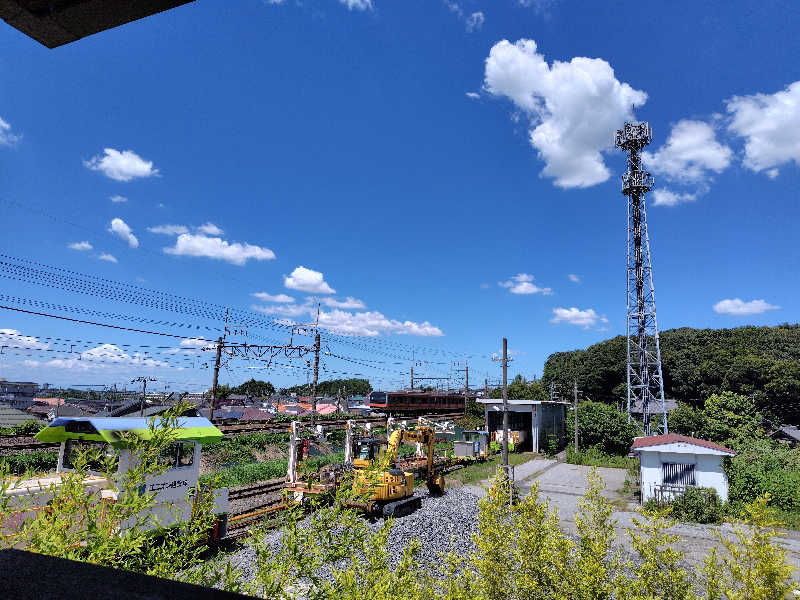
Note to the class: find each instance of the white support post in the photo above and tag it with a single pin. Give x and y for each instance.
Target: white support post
(291, 470)
(348, 442)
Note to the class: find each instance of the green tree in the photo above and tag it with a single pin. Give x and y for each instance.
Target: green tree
(687, 420)
(254, 387)
(522, 389)
(729, 416)
(604, 427)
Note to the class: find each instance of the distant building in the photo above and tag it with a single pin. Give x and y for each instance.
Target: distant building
(788, 434)
(16, 393)
(671, 463)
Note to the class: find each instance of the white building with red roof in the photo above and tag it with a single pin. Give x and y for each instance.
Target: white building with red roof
(671, 462)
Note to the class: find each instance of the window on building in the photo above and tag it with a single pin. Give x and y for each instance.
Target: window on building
(677, 474)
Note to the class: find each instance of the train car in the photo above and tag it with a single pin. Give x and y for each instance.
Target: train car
(416, 403)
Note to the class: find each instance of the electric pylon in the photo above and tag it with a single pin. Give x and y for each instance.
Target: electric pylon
(644, 377)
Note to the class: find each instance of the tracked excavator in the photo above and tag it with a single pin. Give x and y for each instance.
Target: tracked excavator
(390, 493)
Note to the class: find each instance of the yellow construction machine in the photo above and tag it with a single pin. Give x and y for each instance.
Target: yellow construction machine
(391, 492)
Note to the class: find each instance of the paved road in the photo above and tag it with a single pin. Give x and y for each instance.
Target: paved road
(563, 484)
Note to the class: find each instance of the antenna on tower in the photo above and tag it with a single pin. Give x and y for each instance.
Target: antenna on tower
(644, 378)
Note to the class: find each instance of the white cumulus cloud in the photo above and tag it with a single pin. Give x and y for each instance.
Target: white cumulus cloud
(473, 95)
(281, 298)
(307, 280)
(523, 284)
(80, 246)
(191, 244)
(108, 257)
(121, 166)
(736, 306)
(210, 229)
(769, 124)
(690, 153)
(6, 137)
(582, 318)
(169, 229)
(574, 108)
(117, 199)
(122, 230)
(372, 324)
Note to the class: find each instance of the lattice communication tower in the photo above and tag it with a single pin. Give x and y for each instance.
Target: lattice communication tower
(644, 377)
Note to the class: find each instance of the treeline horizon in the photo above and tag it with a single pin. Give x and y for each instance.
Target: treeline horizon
(760, 362)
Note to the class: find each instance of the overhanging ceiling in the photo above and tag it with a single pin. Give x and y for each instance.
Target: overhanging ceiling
(58, 22)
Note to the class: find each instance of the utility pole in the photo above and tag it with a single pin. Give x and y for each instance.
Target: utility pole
(505, 361)
(412, 377)
(316, 378)
(143, 381)
(466, 377)
(575, 393)
(213, 402)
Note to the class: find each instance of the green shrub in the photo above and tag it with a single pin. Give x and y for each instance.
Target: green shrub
(604, 426)
(26, 428)
(595, 457)
(36, 462)
(698, 505)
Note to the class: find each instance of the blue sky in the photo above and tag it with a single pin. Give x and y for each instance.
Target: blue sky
(433, 172)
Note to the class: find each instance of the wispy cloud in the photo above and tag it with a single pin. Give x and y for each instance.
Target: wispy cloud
(281, 298)
(108, 257)
(574, 278)
(80, 246)
(117, 199)
(573, 316)
(523, 284)
(6, 137)
(169, 229)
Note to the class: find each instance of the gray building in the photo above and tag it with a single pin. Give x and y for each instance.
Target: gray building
(534, 424)
(18, 393)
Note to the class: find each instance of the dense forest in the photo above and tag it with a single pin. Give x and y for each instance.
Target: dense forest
(760, 362)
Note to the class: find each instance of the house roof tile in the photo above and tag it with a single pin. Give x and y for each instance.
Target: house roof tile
(672, 438)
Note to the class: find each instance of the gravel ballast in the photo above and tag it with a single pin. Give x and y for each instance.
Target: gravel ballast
(443, 524)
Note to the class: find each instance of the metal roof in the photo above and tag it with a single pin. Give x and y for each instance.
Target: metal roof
(107, 429)
(9, 417)
(57, 22)
(519, 402)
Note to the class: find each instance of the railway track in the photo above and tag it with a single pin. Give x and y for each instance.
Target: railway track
(264, 487)
(327, 425)
(10, 443)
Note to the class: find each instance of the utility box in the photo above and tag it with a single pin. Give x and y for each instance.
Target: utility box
(474, 444)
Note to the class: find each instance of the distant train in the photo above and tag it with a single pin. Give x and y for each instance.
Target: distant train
(416, 403)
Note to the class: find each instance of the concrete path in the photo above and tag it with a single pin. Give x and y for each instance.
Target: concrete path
(564, 484)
